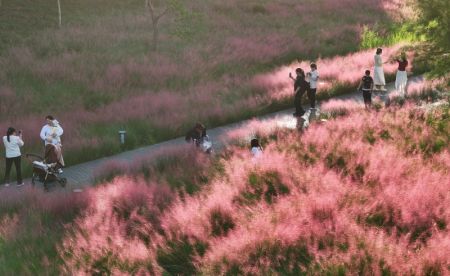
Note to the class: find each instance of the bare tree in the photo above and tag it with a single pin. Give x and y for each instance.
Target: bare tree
(155, 17)
(59, 13)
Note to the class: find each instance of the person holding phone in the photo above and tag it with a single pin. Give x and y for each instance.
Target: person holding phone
(300, 87)
(13, 143)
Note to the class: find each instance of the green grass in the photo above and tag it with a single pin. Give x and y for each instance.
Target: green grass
(32, 249)
(392, 34)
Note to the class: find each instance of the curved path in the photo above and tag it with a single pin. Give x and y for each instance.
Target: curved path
(83, 174)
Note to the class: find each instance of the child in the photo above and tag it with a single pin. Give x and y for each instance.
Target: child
(313, 77)
(256, 149)
(366, 86)
(300, 87)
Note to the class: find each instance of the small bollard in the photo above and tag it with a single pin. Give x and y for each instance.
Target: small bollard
(122, 134)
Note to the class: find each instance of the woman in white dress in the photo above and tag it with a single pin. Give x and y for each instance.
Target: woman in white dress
(378, 78)
(401, 78)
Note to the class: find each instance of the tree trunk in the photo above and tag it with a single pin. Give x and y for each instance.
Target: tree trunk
(155, 20)
(155, 36)
(59, 14)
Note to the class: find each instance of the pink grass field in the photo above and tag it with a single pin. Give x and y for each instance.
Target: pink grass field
(366, 193)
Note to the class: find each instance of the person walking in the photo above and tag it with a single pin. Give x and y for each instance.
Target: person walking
(312, 78)
(366, 86)
(378, 71)
(300, 87)
(401, 78)
(13, 143)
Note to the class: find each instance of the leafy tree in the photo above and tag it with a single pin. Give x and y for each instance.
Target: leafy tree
(186, 22)
(156, 16)
(434, 24)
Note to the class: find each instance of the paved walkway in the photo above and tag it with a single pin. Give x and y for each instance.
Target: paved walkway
(83, 174)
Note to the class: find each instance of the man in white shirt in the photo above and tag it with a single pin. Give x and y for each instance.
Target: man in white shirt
(51, 135)
(51, 132)
(313, 77)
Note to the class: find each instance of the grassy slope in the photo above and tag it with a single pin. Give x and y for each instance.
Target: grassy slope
(70, 71)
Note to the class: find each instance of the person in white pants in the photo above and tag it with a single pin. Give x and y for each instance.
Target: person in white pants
(401, 78)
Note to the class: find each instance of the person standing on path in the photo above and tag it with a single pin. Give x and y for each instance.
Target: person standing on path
(313, 77)
(366, 86)
(401, 78)
(378, 71)
(300, 87)
(51, 134)
(13, 143)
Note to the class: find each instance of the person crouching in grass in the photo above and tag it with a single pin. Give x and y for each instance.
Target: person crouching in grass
(13, 143)
(366, 86)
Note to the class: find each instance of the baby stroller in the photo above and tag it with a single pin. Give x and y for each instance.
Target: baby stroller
(45, 171)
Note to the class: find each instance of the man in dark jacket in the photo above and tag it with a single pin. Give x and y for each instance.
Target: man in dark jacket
(300, 87)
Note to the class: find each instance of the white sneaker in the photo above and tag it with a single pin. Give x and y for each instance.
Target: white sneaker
(20, 184)
(60, 171)
(6, 184)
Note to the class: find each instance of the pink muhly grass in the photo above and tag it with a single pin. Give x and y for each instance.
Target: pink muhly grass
(341, 107)
(117, 219)
(328, 207)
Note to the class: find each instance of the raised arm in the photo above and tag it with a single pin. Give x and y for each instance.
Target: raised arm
(291, 77)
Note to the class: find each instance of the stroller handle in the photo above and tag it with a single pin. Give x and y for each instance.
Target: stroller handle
(28, 155)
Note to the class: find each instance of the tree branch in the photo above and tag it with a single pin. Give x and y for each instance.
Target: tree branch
(162, 14)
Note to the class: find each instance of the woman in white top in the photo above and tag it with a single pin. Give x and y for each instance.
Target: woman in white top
(378, 78)
(256, 149)
(12, 144)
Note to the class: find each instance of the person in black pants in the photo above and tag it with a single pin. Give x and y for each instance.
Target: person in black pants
(366, 86)
(300, 87)
(312, 78)
(12, 144)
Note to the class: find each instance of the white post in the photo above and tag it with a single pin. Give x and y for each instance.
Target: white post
(122, 134)
(59, 13)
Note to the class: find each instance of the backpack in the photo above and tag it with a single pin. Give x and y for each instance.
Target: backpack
(367, 82)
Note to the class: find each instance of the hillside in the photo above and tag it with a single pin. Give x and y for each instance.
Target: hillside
(97, 73)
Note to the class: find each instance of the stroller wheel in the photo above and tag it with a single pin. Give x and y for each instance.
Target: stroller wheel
(46, 189)
(63, 181)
